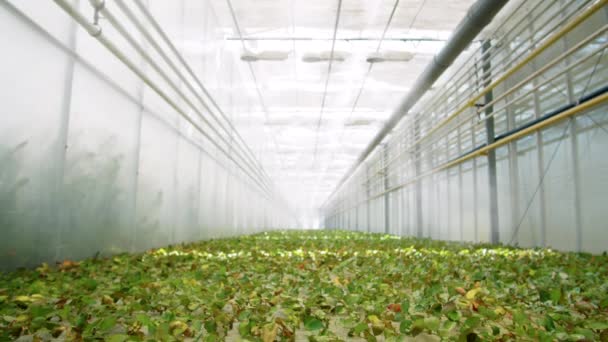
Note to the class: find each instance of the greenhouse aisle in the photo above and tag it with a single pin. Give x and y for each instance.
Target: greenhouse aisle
(304, 170)
(313, 285)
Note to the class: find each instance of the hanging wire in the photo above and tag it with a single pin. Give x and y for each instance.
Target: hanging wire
(329, 66)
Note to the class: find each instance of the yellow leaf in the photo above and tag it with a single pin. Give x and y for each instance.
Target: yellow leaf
(44, 268)
(107, 300)
(21, 318)
(177, 327)
(23, 299)
(37, 298)
(269, 334)
(374, 320)
(500, 311)
(472, 293)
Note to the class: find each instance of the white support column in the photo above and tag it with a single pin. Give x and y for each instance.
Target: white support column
(62, 137)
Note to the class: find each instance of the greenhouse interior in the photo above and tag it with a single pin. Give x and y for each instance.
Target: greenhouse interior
(289, 170)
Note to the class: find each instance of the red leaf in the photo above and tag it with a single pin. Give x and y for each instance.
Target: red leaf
(394, 307)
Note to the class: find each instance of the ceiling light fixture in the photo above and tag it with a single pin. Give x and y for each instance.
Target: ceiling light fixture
(389, 56)
(250, 56)
(339, 56)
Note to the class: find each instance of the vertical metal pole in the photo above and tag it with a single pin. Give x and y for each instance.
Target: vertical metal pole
(514, 173)
(447, 212)
(514, 180)
(198, 194)
(475, 202)
(357, 213)
(402, 211)
(574, 150)
(460, 191)
(490, 135)
(418, 186)
(137, 152)
(387, 201)
(176, 194)
(540, 167)
(62, 139)
(347, 212)
(541, 154)
(367, 185)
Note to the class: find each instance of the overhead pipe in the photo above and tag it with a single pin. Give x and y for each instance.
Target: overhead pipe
(477, 18)
(196, 79)
(99, 6)
(244, 149)
(96, 32)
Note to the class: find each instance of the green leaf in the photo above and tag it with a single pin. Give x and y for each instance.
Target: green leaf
(245, 328)
(144, 319)
(404, 326)
(311, 324)
(487, 312)
(431, 323)
(107, 323)
(117, 338)
(89, 284)
(519, 317)
(549, 323)
(585, 332)
(597, 325)
(40, 311)
(544, 295)
(453, 316)
(359, 328)
(472, 322)
(556, 295)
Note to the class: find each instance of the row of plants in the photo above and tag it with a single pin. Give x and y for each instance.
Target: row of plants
(313, 285)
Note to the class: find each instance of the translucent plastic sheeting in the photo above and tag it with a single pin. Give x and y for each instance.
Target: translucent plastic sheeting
(95, 162)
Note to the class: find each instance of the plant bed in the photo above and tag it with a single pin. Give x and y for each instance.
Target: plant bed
(313, 285)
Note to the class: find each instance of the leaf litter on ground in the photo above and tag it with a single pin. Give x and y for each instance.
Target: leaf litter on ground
(316, 286)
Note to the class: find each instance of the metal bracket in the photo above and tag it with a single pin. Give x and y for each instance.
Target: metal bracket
(98, 6)
(478, 106)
